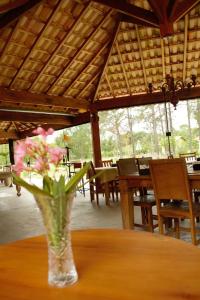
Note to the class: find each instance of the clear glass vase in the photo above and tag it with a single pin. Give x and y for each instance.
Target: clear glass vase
(56, 215)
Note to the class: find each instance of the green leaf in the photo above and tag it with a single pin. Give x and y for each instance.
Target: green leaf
(73, 182)
(31, 188)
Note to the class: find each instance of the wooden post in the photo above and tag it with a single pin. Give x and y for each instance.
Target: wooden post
(94, 119)
(11, 151)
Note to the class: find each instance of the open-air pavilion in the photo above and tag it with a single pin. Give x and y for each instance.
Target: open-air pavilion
(61, 63)
(64, 61)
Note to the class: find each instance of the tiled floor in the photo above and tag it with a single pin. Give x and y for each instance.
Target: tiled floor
(20, 217)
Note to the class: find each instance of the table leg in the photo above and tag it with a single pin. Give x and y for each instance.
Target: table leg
(107, 193)
(127, 207)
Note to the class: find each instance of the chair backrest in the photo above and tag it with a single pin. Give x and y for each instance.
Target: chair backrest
(190, 156)
(127, 166)
(143, 161)
(170, 179)
(107, 163)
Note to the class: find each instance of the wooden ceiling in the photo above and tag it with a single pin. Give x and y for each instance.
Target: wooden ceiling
(60, 59)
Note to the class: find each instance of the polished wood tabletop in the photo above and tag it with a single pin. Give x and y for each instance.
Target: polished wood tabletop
(112, 264)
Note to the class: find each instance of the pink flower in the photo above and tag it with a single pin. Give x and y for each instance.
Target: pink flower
(20, 151)
(19, 167)
(56, 155)
(42, 132)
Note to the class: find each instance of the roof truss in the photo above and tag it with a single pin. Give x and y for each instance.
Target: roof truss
(13, 14)
(24, 97)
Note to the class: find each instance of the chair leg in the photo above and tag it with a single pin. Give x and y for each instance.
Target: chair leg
(177, 227)
(150, 219)
(196, 200)
(160, 223)
(193, 231)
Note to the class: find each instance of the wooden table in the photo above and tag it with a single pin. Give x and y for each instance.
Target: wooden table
(127, 183)
(107, 174)
(112, 265)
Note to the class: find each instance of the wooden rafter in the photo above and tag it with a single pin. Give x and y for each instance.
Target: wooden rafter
(58, 48)
(24, 97)
(89, 82)
(163, 57)
(181, 9)
(136, 12)
(141, 99)
(141, 55)
(89, 38)
(14, 14)
(36, 42)
(34, 118)
(123, 68)
(85, 67)
(114, 36)
(185, 47)
(109, 84)
(11, 5)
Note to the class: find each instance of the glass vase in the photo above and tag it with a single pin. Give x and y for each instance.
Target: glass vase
(56, 213)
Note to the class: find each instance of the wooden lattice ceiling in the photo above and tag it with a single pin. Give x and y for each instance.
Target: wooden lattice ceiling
(67, 57)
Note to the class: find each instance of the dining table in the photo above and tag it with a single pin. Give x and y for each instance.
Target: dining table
(112, 264)
(129, 182)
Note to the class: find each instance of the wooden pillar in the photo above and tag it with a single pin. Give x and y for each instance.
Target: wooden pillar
(96, 143)
(11, 151)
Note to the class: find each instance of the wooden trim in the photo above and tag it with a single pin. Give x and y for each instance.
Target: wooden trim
(14, 14)
(141, 99)
(24, 97)
(136, 12)
(35, 118)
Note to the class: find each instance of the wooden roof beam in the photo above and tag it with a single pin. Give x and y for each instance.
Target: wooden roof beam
(141, 99)
(24, 97)
(35, 118)
(103, 69)
(130, 10)
(14, 14)
(160, 9)
(10, 134)
(181, 9)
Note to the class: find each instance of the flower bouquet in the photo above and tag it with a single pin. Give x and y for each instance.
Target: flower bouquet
(54, 200)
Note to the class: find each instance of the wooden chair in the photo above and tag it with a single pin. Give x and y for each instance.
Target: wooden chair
(127, 166)
(107, 163)
(143, 165)
(189, 157)
(74, 167)
(170, 181)
(96, 187)
(145, 202)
